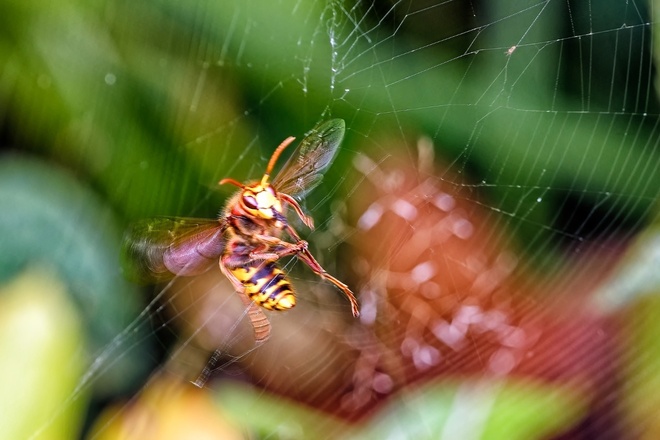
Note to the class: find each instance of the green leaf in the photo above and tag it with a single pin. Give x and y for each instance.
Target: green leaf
(40, 358)
(498, 409)
(50, 219)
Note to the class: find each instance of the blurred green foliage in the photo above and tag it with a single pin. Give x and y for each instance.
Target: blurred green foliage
(155, 102)
(486, 409)
(641, 371)
(39, 327)
(50, 219)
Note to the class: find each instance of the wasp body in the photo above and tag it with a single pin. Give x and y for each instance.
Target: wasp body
(246, 239)
(266, 285)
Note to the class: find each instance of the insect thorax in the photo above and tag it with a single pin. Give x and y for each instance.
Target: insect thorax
(248, 226)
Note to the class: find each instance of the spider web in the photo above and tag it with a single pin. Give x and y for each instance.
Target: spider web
(490, 206)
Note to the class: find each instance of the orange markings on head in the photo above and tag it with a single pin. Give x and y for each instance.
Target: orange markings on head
(276, 154)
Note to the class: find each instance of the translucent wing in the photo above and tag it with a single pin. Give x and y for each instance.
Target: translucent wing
(159, 248)
(304, 169)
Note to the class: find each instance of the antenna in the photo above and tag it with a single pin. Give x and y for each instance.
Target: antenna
(276, 154)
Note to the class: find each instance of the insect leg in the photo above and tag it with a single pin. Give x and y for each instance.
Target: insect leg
(257, 317)
(261, 334)
(309, 259)
(305, 218)
(277, 249)
(208, 369)
(259, 321)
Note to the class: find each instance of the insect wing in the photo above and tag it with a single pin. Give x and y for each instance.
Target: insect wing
(160, 248)
(304, 169)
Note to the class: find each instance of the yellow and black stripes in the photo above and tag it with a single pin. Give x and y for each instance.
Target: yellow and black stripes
(266, 285)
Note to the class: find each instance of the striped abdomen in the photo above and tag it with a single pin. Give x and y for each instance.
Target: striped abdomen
(266, 285)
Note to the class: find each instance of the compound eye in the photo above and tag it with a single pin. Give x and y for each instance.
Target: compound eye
(250, 202)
